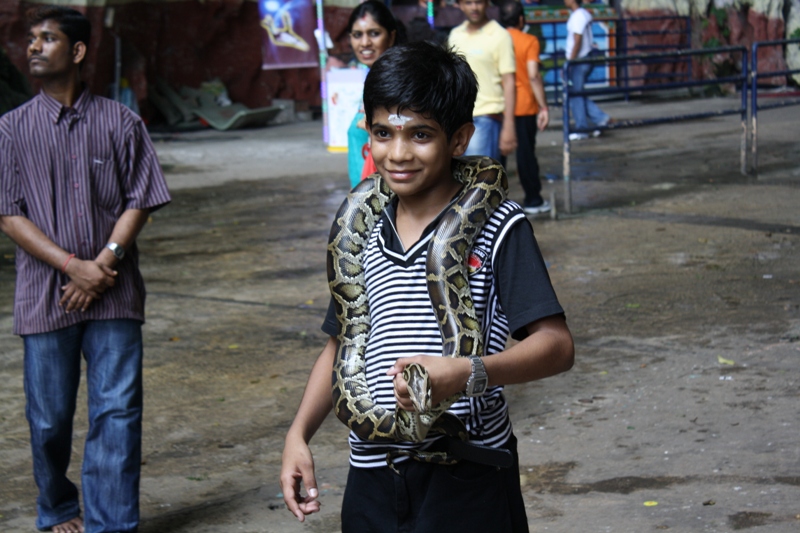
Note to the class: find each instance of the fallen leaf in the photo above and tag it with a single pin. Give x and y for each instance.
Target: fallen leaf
(650, 504)
(233, 346)
(173, 339)
(724, 361)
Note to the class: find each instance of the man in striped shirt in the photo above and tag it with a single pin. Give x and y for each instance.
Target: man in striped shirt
(78, 178)
(418, 100)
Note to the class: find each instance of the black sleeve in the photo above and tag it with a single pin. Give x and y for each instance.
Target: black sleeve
(524, 288)
(331, 324)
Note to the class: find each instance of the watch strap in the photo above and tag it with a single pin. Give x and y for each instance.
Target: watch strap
(478, 380)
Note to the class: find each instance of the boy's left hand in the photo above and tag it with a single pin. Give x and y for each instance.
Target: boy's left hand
(448, 375)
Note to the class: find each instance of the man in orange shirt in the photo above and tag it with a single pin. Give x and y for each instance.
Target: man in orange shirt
(530, 111)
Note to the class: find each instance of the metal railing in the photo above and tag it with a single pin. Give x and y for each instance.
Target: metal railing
(625, 32)
(680, 31)
(740, 80)
(755, 75)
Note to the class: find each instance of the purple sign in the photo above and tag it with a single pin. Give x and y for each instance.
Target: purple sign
(289, 34)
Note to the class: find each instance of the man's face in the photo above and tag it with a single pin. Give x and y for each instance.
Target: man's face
(474, 10)
(570, 4)
(49, 52)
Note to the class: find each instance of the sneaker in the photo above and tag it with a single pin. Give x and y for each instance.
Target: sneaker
(543, 207)
(578, 136)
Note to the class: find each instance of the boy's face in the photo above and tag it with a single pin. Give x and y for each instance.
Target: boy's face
(474, 10)
(412, 152)
(49, 52)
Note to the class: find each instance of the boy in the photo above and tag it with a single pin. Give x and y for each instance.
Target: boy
(418, 100)
(531, 111)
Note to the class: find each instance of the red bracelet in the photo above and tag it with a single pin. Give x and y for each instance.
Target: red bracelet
(64, 268)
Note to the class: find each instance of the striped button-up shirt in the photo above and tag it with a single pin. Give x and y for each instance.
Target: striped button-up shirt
(72, 172)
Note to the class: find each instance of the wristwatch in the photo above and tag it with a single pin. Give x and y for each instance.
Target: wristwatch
(478, 380)
(116, 249)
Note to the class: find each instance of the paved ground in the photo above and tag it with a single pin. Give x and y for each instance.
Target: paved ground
(681, 283)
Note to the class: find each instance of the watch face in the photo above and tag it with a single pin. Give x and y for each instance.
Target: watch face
(117, 250)
(480, 387)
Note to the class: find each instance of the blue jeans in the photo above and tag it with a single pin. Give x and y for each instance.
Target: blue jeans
(581, 108)
(112, 455)
(486, 139)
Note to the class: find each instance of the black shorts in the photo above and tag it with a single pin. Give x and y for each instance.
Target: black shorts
(428, 498)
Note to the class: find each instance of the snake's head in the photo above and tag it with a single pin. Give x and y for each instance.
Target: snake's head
(419, 387)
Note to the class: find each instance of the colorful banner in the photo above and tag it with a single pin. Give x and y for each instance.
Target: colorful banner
(345, 89)
(289, 34)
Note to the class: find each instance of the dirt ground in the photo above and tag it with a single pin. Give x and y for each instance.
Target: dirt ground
(681, 284)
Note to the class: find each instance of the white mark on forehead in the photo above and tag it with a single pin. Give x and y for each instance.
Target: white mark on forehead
(398, 121)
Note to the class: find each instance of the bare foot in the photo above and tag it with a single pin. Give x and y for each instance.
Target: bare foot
(70, 526)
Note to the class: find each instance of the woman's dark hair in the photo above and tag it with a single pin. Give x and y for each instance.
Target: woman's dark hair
(424, 78)
(73, 23)
(380, 14)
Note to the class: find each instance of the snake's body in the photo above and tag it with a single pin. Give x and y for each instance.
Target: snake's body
(448, 287)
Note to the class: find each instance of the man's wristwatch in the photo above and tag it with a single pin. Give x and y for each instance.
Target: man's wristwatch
(478, 380)
(117, 250)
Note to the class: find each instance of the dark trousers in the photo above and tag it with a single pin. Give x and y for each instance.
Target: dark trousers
(527, 164)
(429, 498)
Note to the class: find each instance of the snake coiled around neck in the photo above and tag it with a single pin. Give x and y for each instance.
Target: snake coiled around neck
(484, 188)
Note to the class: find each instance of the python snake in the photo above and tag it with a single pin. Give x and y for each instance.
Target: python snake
(485, 186)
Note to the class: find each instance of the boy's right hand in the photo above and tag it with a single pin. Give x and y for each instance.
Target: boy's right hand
(297, 467)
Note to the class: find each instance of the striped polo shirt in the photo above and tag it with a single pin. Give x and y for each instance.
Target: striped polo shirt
(72, 172)
(510, 287)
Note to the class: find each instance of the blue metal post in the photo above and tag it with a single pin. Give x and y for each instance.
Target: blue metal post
(754, 109)
(626, 81)
(689, 45)
(743, 152)
(565, 120)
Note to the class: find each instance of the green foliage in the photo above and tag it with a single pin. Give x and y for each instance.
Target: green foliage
(721, 16)
(795, 34)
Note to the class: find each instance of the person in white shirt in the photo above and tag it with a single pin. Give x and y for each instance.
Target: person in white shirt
(579, 44)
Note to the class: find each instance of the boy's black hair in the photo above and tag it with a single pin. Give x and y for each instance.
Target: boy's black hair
(510, 12)
(73, 23)
(424, 78)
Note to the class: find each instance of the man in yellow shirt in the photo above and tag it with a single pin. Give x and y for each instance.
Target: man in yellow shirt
(531, 106)
(490, 53)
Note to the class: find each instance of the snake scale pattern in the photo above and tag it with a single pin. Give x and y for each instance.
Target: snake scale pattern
(485, 186)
